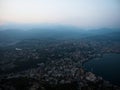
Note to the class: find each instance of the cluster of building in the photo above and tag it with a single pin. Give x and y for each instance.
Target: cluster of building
(58, 63)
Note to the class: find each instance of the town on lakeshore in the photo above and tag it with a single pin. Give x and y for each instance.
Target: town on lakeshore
(51, 64)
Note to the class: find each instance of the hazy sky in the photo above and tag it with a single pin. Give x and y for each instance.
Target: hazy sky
(82, 13)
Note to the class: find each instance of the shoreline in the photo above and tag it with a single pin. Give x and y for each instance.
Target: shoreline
(99, 59)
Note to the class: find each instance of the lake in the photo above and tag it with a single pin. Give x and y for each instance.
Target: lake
(107, 67)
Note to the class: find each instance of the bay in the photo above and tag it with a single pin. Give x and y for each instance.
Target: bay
(107, 67)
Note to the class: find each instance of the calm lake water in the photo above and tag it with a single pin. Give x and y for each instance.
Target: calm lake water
(108, 67)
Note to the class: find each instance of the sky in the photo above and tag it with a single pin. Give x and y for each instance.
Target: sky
(80, 13)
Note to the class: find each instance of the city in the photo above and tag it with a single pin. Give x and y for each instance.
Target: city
(56, 62)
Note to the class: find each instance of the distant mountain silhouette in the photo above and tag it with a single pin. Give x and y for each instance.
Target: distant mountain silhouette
(53, 31)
